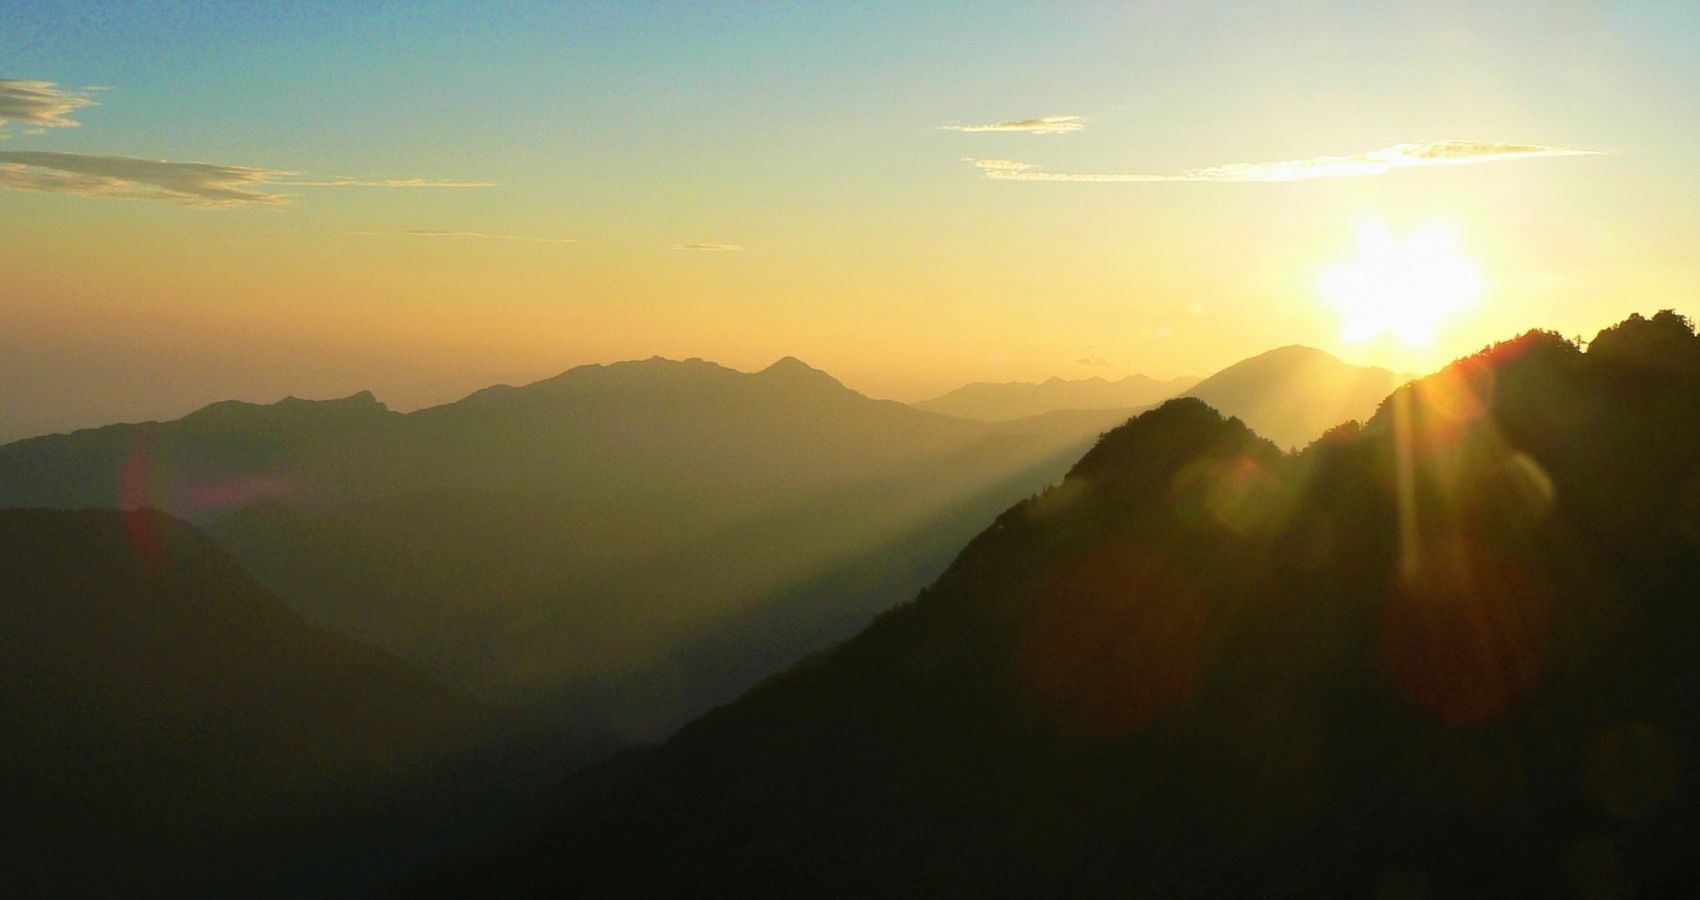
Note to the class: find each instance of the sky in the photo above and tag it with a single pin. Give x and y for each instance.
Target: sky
(205, 201)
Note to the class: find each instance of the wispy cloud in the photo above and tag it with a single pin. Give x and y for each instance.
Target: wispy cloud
(1041, 125)
(190, 184)
(1096, 362)
(993, 167)
(1375, 162)
(40, 103)
(708, 247)
(342, 181)
(482, 235)
(43, 104)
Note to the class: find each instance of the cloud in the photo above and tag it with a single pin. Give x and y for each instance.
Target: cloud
(1375, 162)
(483, 235)
(1096, 362)
(344, 181)
(1041, 125)
(992, 166)
(708, 247)
(190, 184)
(40, 103)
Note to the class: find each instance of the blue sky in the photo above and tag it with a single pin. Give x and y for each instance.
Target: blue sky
(810, 138)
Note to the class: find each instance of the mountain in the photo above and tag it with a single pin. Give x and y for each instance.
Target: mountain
(171, 728)
(1449, 652)
(1293, 394)
(1290, 395)
(997, 402)
(226, 453)
(620, 546)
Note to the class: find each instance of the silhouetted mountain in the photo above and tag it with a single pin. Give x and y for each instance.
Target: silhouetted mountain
(1294, 394)
(1451, 652)
(622, 546)
(171, 728)
(1290, 395)
(997, 402)
(226, 453)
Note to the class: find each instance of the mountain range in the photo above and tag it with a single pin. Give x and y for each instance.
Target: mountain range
(1290, 395)
(1449, 652)
(997, 402)
(1447, 649)
(620, 547)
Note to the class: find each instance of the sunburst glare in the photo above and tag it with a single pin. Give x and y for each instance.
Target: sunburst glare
(1401, 288)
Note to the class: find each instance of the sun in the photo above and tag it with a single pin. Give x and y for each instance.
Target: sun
(1401, 289)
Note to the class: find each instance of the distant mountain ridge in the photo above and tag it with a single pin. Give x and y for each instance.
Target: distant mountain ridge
(581, 544)
(619, 545)
(996, 402)
(1291, 395)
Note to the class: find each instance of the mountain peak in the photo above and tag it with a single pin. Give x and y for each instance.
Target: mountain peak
(1159, 440)
(792, 370)
(290, 409)
(1296, 353)
(787, 364)
(615, 373)
(1293, 394)
(357, 400)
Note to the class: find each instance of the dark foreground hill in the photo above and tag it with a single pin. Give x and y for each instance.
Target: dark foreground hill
(1453, 652)
(168, 728)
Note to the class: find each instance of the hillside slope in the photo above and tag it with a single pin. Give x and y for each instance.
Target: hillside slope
(172, 728)
(1451, 652)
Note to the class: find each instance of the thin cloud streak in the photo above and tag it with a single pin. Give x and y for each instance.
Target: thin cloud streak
(712, 248)
(187, 184)
(389, 182)
(128, 178)
(1041, 125)
(480, 235)
(1415, 155)
(41, 103)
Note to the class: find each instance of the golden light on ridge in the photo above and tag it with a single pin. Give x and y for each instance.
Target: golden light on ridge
(1404, 289)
